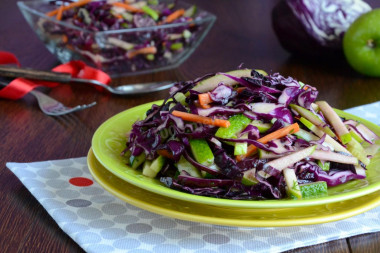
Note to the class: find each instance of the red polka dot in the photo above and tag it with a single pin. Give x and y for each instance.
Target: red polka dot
(81, 181)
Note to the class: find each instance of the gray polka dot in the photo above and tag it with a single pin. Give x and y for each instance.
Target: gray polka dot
(163, 223)
(113, 233)
(33, 183)
(62, 163)
(302, 236)
(88, 237)
(46, 173)
(126, 243)
(185, 222)
(99, 248)
(238, 235)
(51, 204)
(176, 233)
(278, 240)
(81, 160)
(216, 238)
(325, 230)
(139, 251)
(114, 209)
(89, 213)
(126, 219)
(191, 243)
(43, 194)
(67, 194)
(256, 245)
(231, 248)
(165, 248)
(102, 199)
(200, 229)
(71, 172)
(139, 228)
(39, 164)
(206, 251)
(101, 224)
(266, 233)
(25, 173)
(91, 191)
(74, 228)
(348, 226)
(58, 183)
(132, 207)
(78, 203)
(62, 215)
(152, 238)
(148, 215)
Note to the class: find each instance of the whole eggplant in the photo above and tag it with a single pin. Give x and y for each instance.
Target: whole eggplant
(315, 28)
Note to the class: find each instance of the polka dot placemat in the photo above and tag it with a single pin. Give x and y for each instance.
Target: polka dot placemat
(100, 222)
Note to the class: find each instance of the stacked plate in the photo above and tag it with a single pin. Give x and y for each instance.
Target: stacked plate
(110, 170)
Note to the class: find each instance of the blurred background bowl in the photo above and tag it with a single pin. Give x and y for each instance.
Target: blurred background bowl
(111, 50)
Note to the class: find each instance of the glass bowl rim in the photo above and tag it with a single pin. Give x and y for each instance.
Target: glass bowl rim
(208, 18)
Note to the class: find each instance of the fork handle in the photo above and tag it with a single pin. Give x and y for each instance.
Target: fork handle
(9, 71)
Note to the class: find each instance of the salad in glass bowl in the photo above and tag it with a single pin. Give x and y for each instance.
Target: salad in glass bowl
(119, 37)
(248, 135)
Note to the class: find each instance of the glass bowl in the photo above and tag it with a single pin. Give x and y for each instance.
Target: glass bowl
(113, 51)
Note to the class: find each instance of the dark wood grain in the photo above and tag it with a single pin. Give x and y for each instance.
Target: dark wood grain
(242, 34)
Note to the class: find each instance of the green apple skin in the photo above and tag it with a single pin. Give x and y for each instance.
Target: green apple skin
(361, 44)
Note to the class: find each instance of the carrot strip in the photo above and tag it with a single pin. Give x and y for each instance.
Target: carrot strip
(144, 50)
(201, 119)
(274, 135)
(126, 7)
(165, 153)
(204, 99)
(240, 89)
(68, 7)
(174, 15)
(60, 13)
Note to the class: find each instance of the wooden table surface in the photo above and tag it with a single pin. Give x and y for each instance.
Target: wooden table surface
(242, 34)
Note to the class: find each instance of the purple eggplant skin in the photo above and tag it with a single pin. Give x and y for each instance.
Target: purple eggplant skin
(315, 28)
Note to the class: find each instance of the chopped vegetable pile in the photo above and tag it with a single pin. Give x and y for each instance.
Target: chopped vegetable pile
(248, 135)
(136, 50)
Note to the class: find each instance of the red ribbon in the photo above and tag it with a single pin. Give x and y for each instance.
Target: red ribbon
(19, 87)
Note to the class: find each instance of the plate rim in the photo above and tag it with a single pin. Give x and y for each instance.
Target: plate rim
(227, 202)
(238, 222)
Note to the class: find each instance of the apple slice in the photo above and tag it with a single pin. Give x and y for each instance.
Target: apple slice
(312, 118)
(334, 119)
(212, 82)
(334, 157)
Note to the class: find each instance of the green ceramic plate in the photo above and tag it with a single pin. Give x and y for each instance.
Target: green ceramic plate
(109, 140)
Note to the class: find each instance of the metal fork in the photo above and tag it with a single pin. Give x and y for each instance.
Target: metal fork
(52, 107)
(130, 89)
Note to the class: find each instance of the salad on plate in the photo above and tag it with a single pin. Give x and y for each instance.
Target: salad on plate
(248, 135)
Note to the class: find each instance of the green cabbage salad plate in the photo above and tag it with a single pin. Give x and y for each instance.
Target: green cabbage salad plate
(233, 108)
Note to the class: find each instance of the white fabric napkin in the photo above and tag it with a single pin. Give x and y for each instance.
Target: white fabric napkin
(100, 222)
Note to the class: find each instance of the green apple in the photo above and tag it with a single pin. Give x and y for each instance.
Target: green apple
(361, 44)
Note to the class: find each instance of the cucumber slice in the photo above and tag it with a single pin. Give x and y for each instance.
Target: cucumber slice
(136, 161)
(155, 167)
(238, 123)
(190, 11)
(241, 148)
(184, 165)
(314, 190)
(293, 188)
(202, 152)
(263, 127)
(358, 151)
(324, 165)
(249, 177)
(181, 98)
(212, 82)
(305, 135)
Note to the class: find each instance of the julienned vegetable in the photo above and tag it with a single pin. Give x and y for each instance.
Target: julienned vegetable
(244, 134)
(315, 27)
(134, 50)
